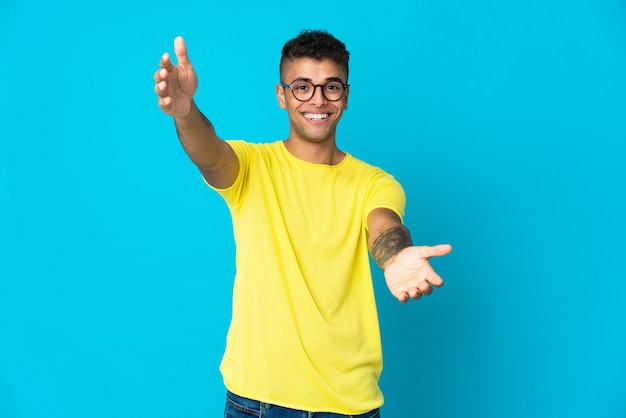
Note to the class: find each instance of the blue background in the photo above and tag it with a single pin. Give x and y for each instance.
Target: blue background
(505, 122)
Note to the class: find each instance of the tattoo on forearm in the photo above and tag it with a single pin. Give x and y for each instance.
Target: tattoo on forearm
(390, 243)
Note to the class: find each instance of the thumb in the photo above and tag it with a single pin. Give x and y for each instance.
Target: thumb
(180, 49)
(435, 250)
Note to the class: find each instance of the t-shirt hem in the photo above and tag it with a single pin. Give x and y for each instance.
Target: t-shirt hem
(299, 407)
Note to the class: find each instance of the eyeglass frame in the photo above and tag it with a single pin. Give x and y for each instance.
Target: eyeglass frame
(315, 86)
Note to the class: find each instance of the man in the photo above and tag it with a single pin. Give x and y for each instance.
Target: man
(304, 335)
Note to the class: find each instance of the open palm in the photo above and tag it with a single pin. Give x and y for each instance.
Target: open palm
(175, 85)
(410, 274)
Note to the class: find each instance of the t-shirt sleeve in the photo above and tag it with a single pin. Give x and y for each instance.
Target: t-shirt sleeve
(232, 195)
(385, 192)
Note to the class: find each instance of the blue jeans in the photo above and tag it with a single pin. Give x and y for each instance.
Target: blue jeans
(240, 407)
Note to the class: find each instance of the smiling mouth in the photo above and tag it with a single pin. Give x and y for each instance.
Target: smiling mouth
(316, 116)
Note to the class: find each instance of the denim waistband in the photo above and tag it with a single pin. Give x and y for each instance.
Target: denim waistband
(250, 406)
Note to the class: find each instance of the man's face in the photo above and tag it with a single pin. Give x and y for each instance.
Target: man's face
(314, 120)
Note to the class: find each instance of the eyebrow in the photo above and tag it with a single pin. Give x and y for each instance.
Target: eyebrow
(311, 80)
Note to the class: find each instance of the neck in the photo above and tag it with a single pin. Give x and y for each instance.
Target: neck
(325, 152)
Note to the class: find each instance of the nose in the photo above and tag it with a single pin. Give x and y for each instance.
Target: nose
(318, 97)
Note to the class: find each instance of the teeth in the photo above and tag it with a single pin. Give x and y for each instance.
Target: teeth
(316, 116)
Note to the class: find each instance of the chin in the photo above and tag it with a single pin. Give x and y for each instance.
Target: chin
(318, 140)
(319, 136)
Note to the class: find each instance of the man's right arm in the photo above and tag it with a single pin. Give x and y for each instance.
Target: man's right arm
(175, 86)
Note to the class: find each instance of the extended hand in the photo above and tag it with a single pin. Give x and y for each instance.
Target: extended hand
(410, 275)
(175, 85)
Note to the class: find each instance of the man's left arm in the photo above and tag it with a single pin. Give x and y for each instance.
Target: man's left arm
(407, 270)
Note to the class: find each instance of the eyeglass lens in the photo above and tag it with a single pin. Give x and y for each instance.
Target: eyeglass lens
(304, 90)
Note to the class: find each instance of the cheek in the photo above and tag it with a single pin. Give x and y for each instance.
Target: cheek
(292, 107)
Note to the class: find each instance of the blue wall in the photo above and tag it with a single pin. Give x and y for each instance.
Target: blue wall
(506, 123)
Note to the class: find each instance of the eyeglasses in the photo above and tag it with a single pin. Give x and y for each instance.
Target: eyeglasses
(303, 90)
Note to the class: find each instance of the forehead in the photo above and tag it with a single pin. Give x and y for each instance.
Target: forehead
(315, 70)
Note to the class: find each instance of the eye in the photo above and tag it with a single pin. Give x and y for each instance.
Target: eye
(301, 87)
(334, 87)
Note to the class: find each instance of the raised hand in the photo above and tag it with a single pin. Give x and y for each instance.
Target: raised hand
(410, 275)
(175, 85)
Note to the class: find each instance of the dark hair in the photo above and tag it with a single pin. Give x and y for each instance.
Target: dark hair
(318, 45)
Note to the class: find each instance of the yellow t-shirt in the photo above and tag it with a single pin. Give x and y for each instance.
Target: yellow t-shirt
(304, 331)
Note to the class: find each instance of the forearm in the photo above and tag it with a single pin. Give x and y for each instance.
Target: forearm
(388, 244)
(199, 140)
(387, 236)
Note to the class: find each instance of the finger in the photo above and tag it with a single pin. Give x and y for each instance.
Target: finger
(403, 297)
(425, 288)
(434, 279)
(160, 75)
(415, 293)
(180, 49)
(160, 89)
(164, 103)
(166, 62)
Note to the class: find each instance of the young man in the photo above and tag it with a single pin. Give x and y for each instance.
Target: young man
(304, 336)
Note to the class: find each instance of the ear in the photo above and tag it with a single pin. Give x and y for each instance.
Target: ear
(345, 97)
(280, 95)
